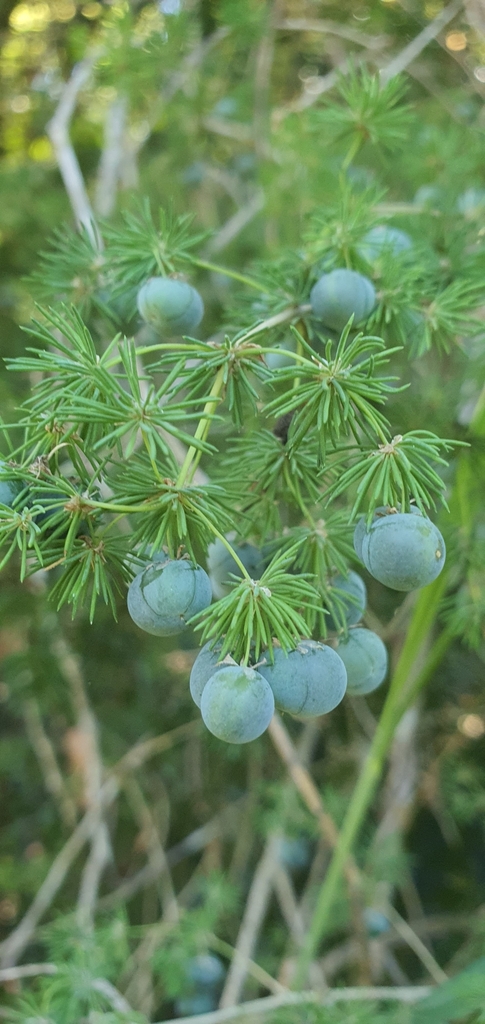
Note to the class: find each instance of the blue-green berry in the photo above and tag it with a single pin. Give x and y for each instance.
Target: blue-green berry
(309, 681)
(10, 488)
(352, 607)
(164, 596)
(361, 527)
(170, 306)
(205, 664)
(205, 970)
(339, 295)
(365, 658)
(384, 240)
(403, 550)
(375, 921)
(237, 704)
(294, 853)
(199, 1002)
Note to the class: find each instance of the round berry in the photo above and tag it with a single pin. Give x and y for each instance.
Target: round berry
(192, 1006)
(203, 668)
(384, 240)
(365, 658)
(221, 565)
(164, 596)
(361, 527)
(294, 853)
(10, 488)
(170, 306)
(338, 295)
(403, 550)
(309, 681)
(351, 608)
(375, 921)
(205, 970)
(237, 704)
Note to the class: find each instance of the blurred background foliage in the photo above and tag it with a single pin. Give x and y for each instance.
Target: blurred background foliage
(219, 107)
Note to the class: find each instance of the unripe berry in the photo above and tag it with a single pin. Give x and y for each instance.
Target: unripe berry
(164, 596)
(237, 704)
(365, 658)
(170, 306)
(403, 550)
(309, 681)
(338, 295)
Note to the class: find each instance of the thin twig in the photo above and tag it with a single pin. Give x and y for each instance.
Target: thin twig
(308, 790)
(112, 156)
(93, 770)
(256, 904)
(250, 966)
(420, 42)
(58, 132)
(44, 751)
(414, 942)
(193, 843)
(115, 998)
(233, 227)
(12, 947)
(157, 858)
(323, 25)
(408, 994)
(27, 971)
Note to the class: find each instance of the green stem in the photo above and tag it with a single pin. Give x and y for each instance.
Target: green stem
(275, 321)
(398, 699)
(169, 346)
(189, 463)
(230, 273)
(353, 150)
(222, 538)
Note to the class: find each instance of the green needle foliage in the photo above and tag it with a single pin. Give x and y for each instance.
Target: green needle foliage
(127, 443)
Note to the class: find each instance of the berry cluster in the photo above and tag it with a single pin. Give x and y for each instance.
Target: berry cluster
(403, 550)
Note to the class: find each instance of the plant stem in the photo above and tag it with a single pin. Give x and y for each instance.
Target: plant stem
(190, 462)
(223, 539)
(276, 320)
(230, 273)
(399, 697)
(145, 350)
(353, 150)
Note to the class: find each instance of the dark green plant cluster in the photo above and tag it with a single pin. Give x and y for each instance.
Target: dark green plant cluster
(100, 468)
(218, 446)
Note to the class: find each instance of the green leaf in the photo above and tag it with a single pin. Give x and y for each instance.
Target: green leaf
(455, 999)
(257, 612)
(336, 394)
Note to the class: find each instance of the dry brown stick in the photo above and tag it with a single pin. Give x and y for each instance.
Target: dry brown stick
(44, 751)
(256, 904)
(58, 132)
(250, 966)
(259, 894)
(291, 911)
(193, 843)
(157, 857)
(93, 770)
(12, 947)
(308, 791)
(408, 994)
